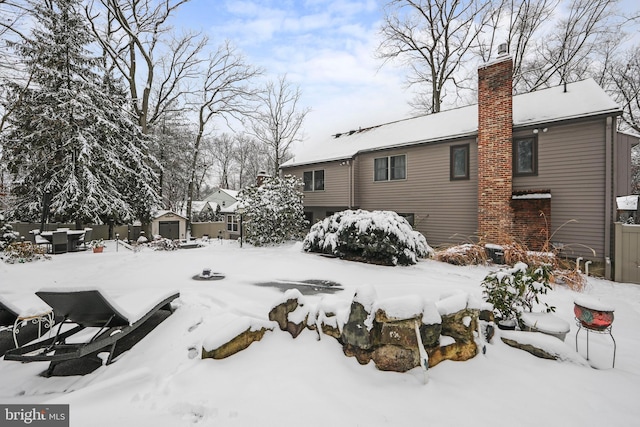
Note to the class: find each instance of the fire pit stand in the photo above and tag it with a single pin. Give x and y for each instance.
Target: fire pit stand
(594, 316)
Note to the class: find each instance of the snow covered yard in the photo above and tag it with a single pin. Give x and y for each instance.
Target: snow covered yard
(280, 381)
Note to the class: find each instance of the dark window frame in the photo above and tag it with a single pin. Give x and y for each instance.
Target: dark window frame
(313, 184)
(534, 156)
(453, 149)
(390, 169)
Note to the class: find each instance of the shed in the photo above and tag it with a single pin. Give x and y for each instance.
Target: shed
(169, 224)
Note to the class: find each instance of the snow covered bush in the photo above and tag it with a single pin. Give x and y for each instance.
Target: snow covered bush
(7, 235)
(514, 290)
(21, 252)
(378, 237)
(467, 254)
(273, 211)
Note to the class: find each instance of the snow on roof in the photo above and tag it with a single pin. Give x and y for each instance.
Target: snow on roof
(232, 193)
(581, 99)
(159, 213)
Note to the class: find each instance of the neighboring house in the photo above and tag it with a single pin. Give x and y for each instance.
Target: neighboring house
(169, 224)
(228, 202)
(201, 210)
(485, 170)
(223, 197)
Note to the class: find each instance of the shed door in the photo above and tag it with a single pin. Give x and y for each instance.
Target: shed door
(170, 229)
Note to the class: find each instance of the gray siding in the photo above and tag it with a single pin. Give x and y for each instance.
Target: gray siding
(445, 211)
(624, 173)
(336, 184)
(571, 163)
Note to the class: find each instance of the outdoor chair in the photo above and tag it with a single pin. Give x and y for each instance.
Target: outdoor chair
(23, 320)
(88, 232)
(36, 239)
(59, 242)
(92, 322)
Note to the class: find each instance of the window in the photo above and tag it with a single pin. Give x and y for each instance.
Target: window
(313, 180)
(232, 223)
(525, 156)
(459, 158)
(390, 168)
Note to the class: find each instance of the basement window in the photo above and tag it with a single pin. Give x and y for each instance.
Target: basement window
(525, 156)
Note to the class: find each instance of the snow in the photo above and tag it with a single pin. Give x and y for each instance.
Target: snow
(281, 381)
(581, 99)
(593, 303)
(400, 308)
(24, 306)
(627, 203)
(545, 322)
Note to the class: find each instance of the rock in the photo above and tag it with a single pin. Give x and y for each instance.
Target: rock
(400, 333)
(395, 358)
(461, 325)
(362, 356)
(280, 312)
(239, 343)
(529, 348)
(459, 351)
(355, 332)
(430, 334)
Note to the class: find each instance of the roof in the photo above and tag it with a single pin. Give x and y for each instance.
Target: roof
(581, 99)
(163, 212)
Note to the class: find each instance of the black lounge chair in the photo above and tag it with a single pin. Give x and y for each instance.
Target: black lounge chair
(89, 309)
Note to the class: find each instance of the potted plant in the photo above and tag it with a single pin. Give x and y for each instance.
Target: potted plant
(97, 245)
(515, 290)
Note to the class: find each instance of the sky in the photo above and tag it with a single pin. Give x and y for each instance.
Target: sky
(308, 381)
(327, 47)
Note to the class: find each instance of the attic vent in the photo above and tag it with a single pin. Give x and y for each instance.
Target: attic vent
(502, 49)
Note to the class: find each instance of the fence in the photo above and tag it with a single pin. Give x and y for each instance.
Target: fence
(627, 253)
(130, 232)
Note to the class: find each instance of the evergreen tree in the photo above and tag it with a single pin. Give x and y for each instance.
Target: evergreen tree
(70, 131)
(273, 211)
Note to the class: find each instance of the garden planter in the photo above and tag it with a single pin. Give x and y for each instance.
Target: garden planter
(98, 250)
(593, 314)
(546, 323)
(507, 324)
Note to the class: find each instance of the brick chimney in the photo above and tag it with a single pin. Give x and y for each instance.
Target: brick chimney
(262, 175)
(495, 133)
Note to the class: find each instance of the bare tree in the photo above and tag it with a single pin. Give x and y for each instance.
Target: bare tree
(134, 34)
(519, 24)
(251, 158)
(625, 76)
(223, 157)
(567, 53)
(225, 93)
(434, 38)
(277, 124)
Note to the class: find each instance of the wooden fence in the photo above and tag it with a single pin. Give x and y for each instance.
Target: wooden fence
(627, 253)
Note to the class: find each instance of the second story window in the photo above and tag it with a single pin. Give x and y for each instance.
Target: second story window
(313, 180)
(525, 156)
(459, 156)
(390, 168)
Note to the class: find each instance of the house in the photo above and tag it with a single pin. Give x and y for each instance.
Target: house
(169, 225)
(228, 202)
(487, 170)
(201, 210)
(223, 197)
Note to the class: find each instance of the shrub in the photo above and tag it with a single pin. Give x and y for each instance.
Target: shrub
(378, 237)
(514, 290)
(274, 212)
(7, 235)
(467, 254)
(20, 252)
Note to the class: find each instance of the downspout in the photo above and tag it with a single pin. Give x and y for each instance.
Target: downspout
(351, 182)
(608, 193)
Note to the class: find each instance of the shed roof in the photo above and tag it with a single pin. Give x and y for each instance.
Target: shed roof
(580, 99)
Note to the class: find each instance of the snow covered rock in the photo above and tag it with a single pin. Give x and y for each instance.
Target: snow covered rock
(290, 314)
(235, 336)
(543, 346)
(378, 237)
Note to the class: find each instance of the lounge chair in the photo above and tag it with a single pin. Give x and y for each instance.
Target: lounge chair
(94, 323)
(22, 320)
